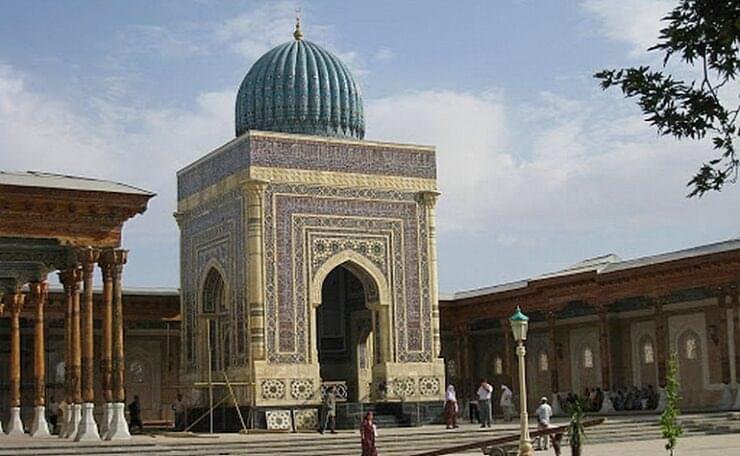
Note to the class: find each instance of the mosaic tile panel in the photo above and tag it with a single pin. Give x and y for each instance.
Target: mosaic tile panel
(342, 157)
(272, 389)
(211, 234)
(429, 386)
(291, 208)
(279, 420)
(306, 419)
(301, 389)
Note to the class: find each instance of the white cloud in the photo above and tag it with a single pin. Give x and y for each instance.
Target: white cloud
(384, 54)
(635, 22)
(585, 167)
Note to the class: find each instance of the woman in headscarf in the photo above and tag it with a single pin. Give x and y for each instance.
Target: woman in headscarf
(367, 436)
(451, 407)
(507, 403)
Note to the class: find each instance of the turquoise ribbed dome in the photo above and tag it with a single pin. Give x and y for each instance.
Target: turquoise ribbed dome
(300, 87)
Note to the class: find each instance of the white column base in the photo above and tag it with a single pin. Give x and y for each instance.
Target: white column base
(15, 425)
(74, 411)
(2, 432)
(39, 426)
(118, 429)
(105, 422)
(88, 428)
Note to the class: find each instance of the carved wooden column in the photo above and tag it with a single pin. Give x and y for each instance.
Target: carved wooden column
(255, 190)
(88, 429)
(661, 340)
(552, 353)
(428, 200)
(118, 426)
(39, 426)
(14, 301)
(604, 343)
(106, 263)
(70, 279)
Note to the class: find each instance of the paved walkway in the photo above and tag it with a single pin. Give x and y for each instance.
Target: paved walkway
(714, 445)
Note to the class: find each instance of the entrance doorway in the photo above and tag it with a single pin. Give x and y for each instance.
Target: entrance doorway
(344, 333)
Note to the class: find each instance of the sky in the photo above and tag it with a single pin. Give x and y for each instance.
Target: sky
(538, 167)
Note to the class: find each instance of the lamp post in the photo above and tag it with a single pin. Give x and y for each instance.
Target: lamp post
(519, 326)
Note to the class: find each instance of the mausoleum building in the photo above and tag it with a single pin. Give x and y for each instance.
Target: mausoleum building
(308, 254)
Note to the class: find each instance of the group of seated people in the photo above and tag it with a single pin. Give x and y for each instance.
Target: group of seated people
(623, 399)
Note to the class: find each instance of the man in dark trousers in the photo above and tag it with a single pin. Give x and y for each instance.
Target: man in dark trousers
(134, 410)
(330, 411)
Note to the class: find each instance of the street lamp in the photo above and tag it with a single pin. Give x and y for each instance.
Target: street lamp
(519, 326)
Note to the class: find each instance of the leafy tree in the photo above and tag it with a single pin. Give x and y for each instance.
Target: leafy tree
(669, 418)
(704, 33)
(576, 430)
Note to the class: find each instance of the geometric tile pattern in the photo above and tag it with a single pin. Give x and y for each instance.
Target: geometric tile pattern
(279, 420)
(306, 419)
(429, 386)
(301, 389)
(273, 388)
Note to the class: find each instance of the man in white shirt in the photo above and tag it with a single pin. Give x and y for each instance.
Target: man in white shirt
(484, 402)
(544, 413)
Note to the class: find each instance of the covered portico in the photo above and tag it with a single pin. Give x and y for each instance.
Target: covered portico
(71, 225)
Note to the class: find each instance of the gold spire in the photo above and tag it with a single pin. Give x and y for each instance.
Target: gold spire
(298, 34)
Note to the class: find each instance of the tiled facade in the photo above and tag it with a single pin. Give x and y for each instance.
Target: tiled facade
(279, 214)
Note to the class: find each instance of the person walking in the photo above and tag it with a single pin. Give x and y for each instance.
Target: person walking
(134, 410)
(368, 433)
(179, 408)
(330, 411)
(473, 409)
(484, 402)
(544, 413)
(507, 402)
(451, 407)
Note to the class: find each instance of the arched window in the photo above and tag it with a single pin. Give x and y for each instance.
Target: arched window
(648, 352)
(690, 347)
(544, 362)
(588, 358)
(498, 365)
(218, 325)
(213, 292)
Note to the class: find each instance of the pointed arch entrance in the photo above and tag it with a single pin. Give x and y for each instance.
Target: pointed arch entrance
(350, 330)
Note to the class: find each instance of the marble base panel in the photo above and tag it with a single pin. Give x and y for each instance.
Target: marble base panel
(118, 426)
(88, 428)
(39, 426)
(15, 425)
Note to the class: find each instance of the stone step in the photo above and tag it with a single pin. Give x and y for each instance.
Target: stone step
(392, 441)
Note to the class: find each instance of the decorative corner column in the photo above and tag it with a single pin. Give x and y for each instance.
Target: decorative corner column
(70, 279)
(39, 426)
(604, 344)
(735, 297)
(88, 428)
(255, 190)
(428, 199)
(15, 304)
(118, 429)
(106, 263)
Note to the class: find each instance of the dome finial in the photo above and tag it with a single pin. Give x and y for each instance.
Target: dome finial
(298, 34)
